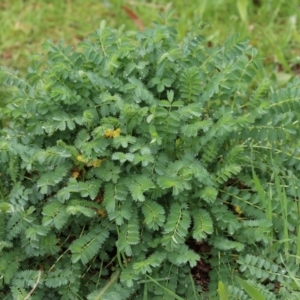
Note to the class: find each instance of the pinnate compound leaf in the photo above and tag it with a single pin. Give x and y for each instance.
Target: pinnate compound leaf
(192, 130)
(79, 209)
(51, 178)
(19, 221)
(209, 194)
(203, 224)
(54, 213)
(146, 265)
(122, 213)
(58, 278)
(129, 235)
(176, 227)
(154, 214)
(138, 186)
(227, 172)
(225, 244)
(122, 157)
(108, 171)
(54, 156)
(123, 141)
(9, 265)
(175, 182)
(112, 194)
(184, 255)
(190, 84)
(128, 276)
(88, 245)
(18, 292)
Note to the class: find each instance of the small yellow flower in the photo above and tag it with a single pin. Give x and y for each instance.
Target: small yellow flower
(109, 133)
(75, 174)
(112, 133)
(117, 132)
(238, 210)
(80, 158)
(95, 163)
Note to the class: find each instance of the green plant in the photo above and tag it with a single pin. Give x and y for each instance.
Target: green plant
(121, 157)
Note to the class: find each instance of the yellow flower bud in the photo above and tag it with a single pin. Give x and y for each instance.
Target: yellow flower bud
(75, 174)
(238, 210)
(95, 163)
(80, 158)
(112, 133)
(117, 132)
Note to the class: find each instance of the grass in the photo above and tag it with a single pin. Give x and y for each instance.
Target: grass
(272, 26)
(26, 25)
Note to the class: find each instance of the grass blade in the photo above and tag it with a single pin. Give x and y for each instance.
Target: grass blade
(250, 289)
(283, 200)
(223, 291)
(165, 289)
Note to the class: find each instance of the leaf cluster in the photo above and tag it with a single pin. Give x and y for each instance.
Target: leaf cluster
(122, 152)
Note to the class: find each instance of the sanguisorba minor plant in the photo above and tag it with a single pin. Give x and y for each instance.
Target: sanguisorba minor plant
(122, 154)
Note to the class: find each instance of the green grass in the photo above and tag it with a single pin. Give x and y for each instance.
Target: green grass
(27, 24)
(271, 25)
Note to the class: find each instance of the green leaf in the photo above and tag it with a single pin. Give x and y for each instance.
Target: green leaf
(123, 141)
(112, 194)
(184, 255)
(145, 266)
(170, 95)
(225, 244)
(129, 236)
(9, 264)
(138, 186)
(51, 178)
(164, 103)
(242, 6)
(203, 224)
(79, 209)
(209, 194)
(19, 221)
(251, 290)
(223, 291)
(176, 227)
(169, 292)
(190, 84)
(108, 171)
(122, 213)
(154, 214)
(58, 278)
(227, 172)
(34, 232)
(87, 246)
(191, 130)
(128, 276)
(55, 213)
(122, 157)
(176, 183)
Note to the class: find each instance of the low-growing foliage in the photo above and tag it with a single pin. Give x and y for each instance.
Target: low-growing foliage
(122, 154)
